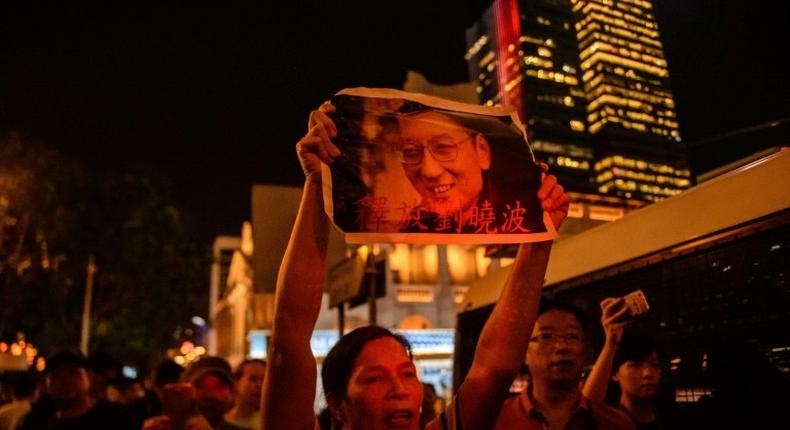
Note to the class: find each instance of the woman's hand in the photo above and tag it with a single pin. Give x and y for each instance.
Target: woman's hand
(614, 319)
(552, 197)
(316, 146)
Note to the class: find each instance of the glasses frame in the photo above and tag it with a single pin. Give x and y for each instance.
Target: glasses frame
(570, 339)
(431, 150)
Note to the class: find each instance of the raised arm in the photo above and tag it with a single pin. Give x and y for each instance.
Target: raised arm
(612, 312)
(503, 341)
(289, 386)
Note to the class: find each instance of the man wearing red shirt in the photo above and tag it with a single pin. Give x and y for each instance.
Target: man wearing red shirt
(553, 399)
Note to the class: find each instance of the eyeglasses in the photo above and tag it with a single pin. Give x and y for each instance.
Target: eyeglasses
(443, 150)
(570, 339)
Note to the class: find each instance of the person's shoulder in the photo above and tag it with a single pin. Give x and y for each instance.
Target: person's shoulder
(511, 403)
(8, 407)
(610, 417)
(511, 414)
(226, 425)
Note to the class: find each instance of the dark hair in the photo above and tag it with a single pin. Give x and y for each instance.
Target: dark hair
(167, 372)
(240, 368)
(338, 364)
(633, 347)
(547, 305)
(209, 364)
(636, 346)
(491, 126)
(66, 358)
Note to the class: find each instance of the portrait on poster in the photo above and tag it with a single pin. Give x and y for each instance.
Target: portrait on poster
(418, 169)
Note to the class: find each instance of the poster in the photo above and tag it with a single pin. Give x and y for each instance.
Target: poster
(419, 169)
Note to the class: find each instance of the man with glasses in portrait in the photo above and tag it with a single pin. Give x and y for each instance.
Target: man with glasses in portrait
(553, 398)
(412, 168)
(445, 163)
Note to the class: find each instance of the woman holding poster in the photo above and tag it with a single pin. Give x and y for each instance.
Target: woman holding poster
(368, 377)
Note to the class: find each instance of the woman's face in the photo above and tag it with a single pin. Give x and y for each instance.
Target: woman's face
(443, 161)
(640, 379)
(384, 391)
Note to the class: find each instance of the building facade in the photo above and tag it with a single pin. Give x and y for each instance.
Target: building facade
(590, 82)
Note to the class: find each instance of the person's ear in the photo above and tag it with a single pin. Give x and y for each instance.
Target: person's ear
(615, 378)
(483, 152)
(336, 407)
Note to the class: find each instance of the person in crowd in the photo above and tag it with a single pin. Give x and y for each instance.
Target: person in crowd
(628, 371)
(552, 398)
(249, 384)
(428, 408)
(166, 372)
(23, 394)
(104, 372)
(369, 378)
(132, 391)
(748, 390)
(201, 401)
(67, 386)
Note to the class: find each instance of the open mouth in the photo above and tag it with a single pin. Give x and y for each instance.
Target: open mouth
(562, 364)
(400, 418)
(441, 189)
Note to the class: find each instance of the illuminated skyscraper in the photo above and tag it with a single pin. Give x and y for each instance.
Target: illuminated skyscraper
(630, 109)
(590, 81)
(525, 54)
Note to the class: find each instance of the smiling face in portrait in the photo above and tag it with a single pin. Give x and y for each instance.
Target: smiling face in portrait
(443, 161)
(383, 392)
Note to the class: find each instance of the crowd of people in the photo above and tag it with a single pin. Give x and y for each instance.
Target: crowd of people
(76, 392)
(369, 377)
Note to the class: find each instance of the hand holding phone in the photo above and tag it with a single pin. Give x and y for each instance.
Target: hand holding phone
(636, 303)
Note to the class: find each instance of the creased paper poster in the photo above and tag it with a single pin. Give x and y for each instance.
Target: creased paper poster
(419, 169)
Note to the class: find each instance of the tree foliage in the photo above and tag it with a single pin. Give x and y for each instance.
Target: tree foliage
(151, 274)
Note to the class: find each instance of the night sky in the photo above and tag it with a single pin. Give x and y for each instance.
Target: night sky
(215, 98)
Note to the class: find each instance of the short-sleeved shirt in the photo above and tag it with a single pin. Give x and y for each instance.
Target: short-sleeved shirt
(519, 412)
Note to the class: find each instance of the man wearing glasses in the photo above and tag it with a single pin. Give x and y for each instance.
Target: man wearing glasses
(445, 163)
(553, 399)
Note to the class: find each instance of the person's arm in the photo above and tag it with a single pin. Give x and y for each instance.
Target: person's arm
(505, 336)
(289, 385)
(612, 312)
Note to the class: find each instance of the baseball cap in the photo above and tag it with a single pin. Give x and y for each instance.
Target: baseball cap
(210, 364)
